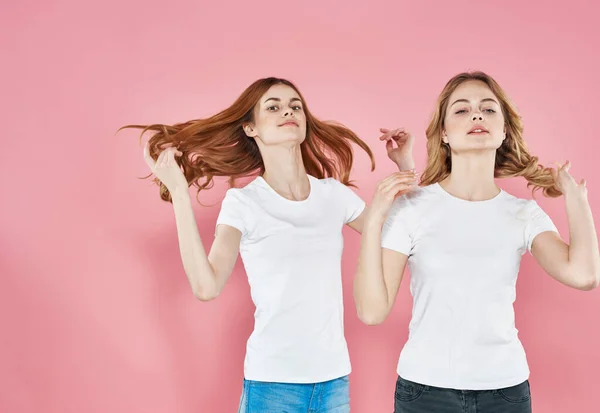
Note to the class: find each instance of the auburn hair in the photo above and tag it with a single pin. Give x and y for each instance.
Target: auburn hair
(218, 146)
(512, 157)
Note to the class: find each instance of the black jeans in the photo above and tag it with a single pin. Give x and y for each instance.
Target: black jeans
(413, 397)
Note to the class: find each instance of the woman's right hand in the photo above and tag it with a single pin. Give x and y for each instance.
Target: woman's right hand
(166, 169)
(388, 190)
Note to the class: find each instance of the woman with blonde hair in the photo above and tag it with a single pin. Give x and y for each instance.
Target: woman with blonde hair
(286, 223)
(463, 238)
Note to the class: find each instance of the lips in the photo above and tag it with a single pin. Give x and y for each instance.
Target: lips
(478, 129)
(290, 123)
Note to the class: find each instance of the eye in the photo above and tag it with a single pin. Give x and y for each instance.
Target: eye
(489, 110)
(461, 111)
(297, 107)
(272, 108)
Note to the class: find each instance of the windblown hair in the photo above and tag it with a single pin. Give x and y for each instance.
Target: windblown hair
(219, 147)
(512, 157)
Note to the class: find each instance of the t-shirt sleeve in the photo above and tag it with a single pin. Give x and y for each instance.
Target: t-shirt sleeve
(233, 211)
(352, 204)
(395, 234)
(538, 221)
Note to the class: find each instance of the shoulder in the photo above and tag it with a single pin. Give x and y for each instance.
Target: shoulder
(244, 195)
(418, 197)
(520, 208)
(328, 185)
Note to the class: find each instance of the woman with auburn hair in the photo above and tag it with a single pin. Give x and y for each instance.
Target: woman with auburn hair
(463, 238)
(286, 223)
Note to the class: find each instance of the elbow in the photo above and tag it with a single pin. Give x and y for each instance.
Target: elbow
(204, 294)
(371, 318)
(586, 280)
(590, 283)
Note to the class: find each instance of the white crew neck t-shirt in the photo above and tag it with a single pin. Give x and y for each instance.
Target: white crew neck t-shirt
(464, 259)
(292, 253)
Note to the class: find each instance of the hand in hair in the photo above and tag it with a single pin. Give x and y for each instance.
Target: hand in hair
(166, 168)
(388, 190)
(399, 146)
(565, 182)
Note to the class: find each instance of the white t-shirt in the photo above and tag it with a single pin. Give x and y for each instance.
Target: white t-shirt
(292, 253)
(464, 259)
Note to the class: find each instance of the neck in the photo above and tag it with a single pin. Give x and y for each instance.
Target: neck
(472, 176)
(285, 172)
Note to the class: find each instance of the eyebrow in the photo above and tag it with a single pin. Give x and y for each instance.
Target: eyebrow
(279, 100)
(483, 100)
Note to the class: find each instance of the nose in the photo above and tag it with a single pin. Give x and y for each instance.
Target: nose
(288, 112)
(477, 116)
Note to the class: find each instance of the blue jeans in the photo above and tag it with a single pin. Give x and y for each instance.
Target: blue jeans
(265, 397)
(411, 397)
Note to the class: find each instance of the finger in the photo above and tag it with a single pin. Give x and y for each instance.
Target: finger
(401, 174)
(147, 157)
(401, 137)
(397, 130)
(389, 145)
(169, 158)
(384, 130)
(161, 158)
(404, 180)
(400, 189)
(396, 175)
(583, 183)
(565, 170)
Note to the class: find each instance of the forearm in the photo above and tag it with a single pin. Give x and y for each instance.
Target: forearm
(370, 292)
(198, 269)
(584, 258)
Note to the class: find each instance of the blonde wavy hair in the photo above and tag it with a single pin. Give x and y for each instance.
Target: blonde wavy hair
(512, 157)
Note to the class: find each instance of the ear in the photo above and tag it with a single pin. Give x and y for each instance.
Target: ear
(444, 137)
(250, 130)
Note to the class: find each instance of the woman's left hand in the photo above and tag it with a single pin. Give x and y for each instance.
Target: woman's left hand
(399, 146)
(565, 182)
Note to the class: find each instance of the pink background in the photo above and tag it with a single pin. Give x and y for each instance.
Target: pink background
(95, 309)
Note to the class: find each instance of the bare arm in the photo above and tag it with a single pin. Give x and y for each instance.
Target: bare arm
(576, 265)
(207, 275)
(378, 276)
(380, 270)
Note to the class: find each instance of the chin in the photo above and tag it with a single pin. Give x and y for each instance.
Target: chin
(295, 136)
(477, 147)
(288, 138)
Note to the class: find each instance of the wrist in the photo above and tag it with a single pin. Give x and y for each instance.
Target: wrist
(374, 219)
(179, 193)
(575, 196)
(405, 164)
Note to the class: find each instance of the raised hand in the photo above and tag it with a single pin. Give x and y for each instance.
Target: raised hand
(399, 145)
(388, 190)
(565, 182)
(166, 169)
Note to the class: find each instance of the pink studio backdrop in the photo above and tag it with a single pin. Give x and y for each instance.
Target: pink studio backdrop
(95, 308)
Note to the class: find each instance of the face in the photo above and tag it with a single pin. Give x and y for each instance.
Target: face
(278, 117)
(474, 119)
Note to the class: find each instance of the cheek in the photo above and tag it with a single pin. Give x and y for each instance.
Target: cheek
(266, 121)
(451, 124)
(498, 124)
